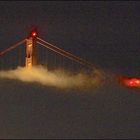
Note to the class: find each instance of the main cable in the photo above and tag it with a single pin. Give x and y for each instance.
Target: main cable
(60, 53)
(12, 47)
(80, 59)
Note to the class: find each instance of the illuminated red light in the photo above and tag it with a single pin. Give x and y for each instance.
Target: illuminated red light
(131, 82)
(137, 81)
(34, 34)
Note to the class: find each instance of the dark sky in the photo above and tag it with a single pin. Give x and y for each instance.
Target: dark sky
(105, 33)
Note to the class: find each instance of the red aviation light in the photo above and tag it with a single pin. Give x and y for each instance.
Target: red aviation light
(131, 82)
(34, 34)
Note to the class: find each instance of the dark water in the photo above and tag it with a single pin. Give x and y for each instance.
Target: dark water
(33, 111)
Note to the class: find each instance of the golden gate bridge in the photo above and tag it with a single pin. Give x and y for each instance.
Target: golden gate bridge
(26, 53)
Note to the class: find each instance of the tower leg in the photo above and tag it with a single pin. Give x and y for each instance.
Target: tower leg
(30, 59)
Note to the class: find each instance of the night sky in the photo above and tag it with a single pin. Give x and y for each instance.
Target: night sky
(107, 34)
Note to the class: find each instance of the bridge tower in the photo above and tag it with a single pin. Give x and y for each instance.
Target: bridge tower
(31, 54)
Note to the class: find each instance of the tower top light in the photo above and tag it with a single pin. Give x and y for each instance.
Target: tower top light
(33, 33)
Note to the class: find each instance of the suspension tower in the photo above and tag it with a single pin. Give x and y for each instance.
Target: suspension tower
(31, 54)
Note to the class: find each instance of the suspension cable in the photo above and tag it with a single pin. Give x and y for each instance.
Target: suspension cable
(12, 47)
(70, 57)
(80, 59)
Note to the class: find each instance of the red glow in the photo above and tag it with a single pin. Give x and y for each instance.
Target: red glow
(34, 34)
(137, 81)
(131, 82)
